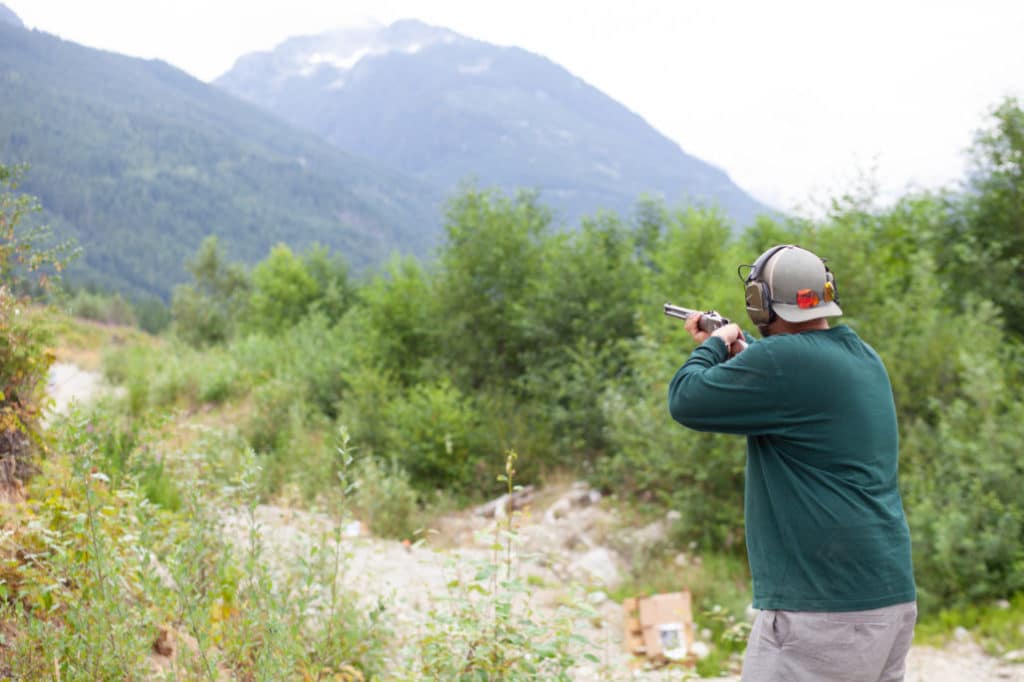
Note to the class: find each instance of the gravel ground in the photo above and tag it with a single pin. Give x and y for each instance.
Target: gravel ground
(410, 578)
(69, 383)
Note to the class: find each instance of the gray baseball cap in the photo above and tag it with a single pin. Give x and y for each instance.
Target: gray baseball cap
(801, 289)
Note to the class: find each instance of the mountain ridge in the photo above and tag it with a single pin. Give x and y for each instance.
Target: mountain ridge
(7, 16)
(444, 107)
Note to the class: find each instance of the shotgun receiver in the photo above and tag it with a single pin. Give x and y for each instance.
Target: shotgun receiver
(709, 321)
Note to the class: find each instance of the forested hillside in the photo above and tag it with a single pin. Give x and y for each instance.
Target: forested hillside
(139, 162)
(444, 107)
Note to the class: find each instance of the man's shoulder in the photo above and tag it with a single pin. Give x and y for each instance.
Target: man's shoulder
(823, 343)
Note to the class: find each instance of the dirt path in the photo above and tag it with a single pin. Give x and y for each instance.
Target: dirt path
(70, 383)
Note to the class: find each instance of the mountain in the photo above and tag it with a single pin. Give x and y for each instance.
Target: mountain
(445, 108)
(139, 162)
(9, 17)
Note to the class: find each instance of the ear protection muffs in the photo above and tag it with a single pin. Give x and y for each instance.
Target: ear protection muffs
(759, 296)
(831, 292)
(757, 293)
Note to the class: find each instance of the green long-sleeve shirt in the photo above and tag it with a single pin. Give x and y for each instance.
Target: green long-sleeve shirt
(824, 518)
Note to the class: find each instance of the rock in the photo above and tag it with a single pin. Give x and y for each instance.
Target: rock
(558, 510)
(500, 507)
(1015, 656)
(599, 565)
(165, 641)
(597, 598)
(961, 634)
(1003, 604)
(650, 535)
(672, 516)
(580, 495)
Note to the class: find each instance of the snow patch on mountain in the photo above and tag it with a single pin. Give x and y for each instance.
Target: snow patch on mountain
(338, 61)
(342, 50)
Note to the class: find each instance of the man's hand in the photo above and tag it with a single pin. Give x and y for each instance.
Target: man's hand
(731, 334)
(691, 326)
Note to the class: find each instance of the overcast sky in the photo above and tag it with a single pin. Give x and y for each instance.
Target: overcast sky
(794, 99)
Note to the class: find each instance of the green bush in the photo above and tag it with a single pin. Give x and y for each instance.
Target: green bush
(366, 409)
(152, 314)
(105, 308)
(282, 292)
(962, 485)
(403, 321)
(209, 309)
(26, 263)
(384, 498)
(651, 457)
(218, 377)
(553, 343)
(320, 358)
(278, 407)
(435, 436)
(131, 367)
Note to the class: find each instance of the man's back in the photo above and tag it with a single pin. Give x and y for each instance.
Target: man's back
(825, 523)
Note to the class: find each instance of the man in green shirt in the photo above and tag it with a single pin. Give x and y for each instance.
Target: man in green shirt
(827, 538)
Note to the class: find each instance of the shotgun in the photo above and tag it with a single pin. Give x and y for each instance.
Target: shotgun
(709, 321)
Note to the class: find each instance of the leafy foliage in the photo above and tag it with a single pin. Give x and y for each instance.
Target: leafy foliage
(491, 260)
(96, 580)
(207, 311)
(26, 260)
(981, 246)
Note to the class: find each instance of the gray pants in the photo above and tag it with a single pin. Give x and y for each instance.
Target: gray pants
(853, 646)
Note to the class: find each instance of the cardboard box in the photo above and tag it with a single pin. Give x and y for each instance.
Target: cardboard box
(660, 627)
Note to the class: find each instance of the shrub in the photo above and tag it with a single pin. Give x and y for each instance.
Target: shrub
(105, 308)
(24, 360)
(152, 314)
(208, 310)
(384, 498)
(962, 490)
(697, 474)
(282, 291)
(278, 406)
(435, 436)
